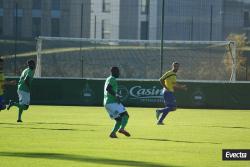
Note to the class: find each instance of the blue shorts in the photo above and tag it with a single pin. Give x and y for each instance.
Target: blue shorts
(169, 99)
(2, 105)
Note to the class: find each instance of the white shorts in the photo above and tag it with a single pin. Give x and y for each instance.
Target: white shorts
(24, 97)
(114, 109)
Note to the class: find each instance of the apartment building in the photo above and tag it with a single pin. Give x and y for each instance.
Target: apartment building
(31, 18)
(125, 19)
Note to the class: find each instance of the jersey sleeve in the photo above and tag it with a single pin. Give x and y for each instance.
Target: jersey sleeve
(164, 76)
(112, 82)
(31, 74)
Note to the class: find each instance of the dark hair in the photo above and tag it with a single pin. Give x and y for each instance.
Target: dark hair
(175, 62)
(114, 69)
(30, 62)
(1, 60)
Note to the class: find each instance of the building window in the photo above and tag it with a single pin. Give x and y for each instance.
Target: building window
(1, 4)
(55, 27)
(36, 26)
(144, 6)
(55, 5)
(144, 30)
(17, 21)
(17, 26)
(105, 29)
(55, 9)
(36, 8)
(106, 6)
(37, 4)
(246, 19)
(19, 13)
(1, 25)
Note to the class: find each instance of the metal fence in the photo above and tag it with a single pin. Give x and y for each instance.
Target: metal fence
(193, 20)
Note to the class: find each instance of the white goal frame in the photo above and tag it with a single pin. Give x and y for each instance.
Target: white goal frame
(231, 44)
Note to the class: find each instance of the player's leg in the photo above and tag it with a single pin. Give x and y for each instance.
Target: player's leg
(124, 122)
(116, 127)
(170, 104)
(123, 114)
(17, 104)
(20, 112)
(114, 114)
(125, 118)
(13, 103)
(2, 105)
(24, 101)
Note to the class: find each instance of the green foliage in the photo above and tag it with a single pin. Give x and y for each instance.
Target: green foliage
(63, 136)
(241, 41)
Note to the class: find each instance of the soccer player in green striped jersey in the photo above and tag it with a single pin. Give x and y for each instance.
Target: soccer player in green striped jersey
(113, 104)
(23, 90)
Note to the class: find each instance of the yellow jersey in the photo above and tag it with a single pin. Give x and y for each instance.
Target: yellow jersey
(169, 79)
(1, 83)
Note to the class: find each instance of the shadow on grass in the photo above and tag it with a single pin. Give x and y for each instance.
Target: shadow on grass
(230, 127)
(178, 141)
(61, 129)
(217, 126)
(2, 123)
(62, 123)
(82, 158)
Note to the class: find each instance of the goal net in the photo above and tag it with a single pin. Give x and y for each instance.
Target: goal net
(137, 59)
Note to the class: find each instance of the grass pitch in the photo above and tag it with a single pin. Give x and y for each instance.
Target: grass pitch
(63, 136)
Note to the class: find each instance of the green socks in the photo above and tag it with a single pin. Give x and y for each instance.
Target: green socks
(124, 121)
(117, 126)
(20, 106)
(20, 114)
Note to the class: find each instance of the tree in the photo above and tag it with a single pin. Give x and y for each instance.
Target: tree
(241, 41)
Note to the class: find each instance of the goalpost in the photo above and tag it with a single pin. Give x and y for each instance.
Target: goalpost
(137, 59)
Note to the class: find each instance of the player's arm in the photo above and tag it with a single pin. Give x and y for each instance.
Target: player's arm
(110, 90)
(178, 86)
(162, 81)
(27, 81)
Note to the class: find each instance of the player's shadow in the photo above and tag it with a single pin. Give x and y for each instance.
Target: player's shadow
(62, 123)
(55, 129)
(177, 141)
(3, 123)
(82, 158)
(218, 126)
(230, 127)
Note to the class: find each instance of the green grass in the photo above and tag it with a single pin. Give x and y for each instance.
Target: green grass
(65, 136)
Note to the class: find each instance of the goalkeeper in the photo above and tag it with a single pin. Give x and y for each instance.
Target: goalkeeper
(113, 105)
(168, 81)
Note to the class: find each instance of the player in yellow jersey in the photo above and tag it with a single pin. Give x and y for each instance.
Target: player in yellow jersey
(168, 81)
(3, 82)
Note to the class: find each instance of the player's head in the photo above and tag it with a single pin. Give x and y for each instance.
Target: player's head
(115, 72)
(175, 66)
(31, 64)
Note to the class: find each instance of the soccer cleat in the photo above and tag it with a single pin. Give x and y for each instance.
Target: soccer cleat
(157, 114)
(160, 123)
(19, 120)
(124, 132)
(11, 103)
(113, 135)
